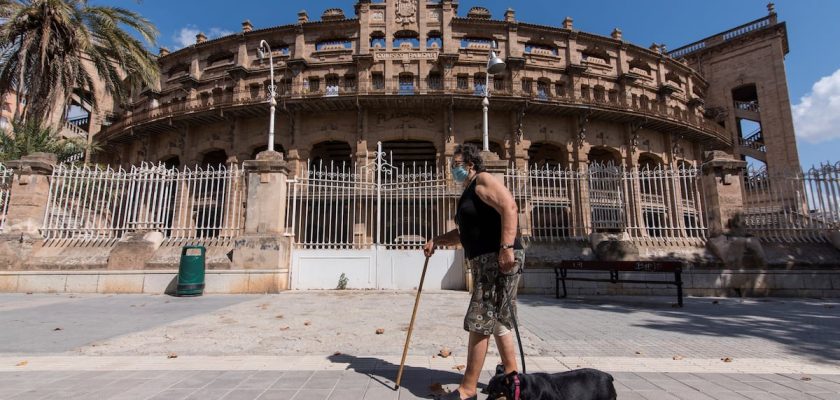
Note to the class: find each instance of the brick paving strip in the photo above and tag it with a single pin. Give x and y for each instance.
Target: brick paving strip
(344, 362)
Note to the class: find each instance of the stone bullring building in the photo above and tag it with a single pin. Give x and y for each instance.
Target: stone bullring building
(611, 149)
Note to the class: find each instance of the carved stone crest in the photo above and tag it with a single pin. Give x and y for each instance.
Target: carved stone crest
(406, 11)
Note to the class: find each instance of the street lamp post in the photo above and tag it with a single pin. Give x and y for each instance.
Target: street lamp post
(495, 65)
(272, 90)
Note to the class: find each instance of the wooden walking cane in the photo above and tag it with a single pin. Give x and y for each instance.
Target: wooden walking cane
(411, 325)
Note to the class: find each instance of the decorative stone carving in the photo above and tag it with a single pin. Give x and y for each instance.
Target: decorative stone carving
(406, 12)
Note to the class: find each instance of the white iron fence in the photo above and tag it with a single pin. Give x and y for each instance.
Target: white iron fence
(353, 206)
(654, 204)
(90, 203)
(793, 206)
(6, 176)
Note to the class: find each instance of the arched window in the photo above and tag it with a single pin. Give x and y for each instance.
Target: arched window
(377, 40)
(547, 156)
(406, 38)
(330, 154)
(434, 40)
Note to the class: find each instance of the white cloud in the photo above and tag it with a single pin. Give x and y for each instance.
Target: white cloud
(186, 36)
(817, 116)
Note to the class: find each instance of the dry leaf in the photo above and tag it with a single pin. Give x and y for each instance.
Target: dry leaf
(172, 355)
(337, 353)
(726, 359)
(264, 306)
(28, 292)
(57, 329)
(279, 316)
(307, 323)
(445, 352)
(380, 331)
(285, 328)
(677, 358)
(437, 389)
(805, 378)
(22, 363)
(638, 352)
(460, 367)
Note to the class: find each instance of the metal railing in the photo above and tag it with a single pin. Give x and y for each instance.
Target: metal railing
(754, 141)
(649, 204)
(748, 106)
(792, 206)
(724, 36)
(6, 178)
(92, 204)
(339, 206)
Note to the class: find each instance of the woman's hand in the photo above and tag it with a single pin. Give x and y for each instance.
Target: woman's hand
(429, 248)
(506, 261)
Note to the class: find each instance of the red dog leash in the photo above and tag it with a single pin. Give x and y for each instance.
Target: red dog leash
(516, 387)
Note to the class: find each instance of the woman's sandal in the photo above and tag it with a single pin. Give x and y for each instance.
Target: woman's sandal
(455, 395)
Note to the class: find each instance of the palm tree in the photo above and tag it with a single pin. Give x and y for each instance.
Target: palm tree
(30, 137)
(51, 48)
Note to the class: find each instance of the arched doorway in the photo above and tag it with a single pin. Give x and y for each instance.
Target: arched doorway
(411, 153)
(330, 154)
(495, 147)
(546, 156)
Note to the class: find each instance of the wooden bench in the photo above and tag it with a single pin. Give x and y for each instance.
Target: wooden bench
(624, 267)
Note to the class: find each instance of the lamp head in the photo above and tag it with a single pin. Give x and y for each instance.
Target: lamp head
(495, 65)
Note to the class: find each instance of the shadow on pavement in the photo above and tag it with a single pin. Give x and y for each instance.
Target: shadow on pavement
(416, 380)
(806, 326)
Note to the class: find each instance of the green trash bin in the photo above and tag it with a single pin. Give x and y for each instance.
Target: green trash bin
(191, 271)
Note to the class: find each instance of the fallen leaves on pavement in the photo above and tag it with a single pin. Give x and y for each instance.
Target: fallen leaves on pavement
(22, 363)
(307, 323)
(805, 378)
(380, 331)
(58, 329)
(285, 328)
(172, 355)
(726, 359)
(460, 367)
(677, 358)
(445, 352)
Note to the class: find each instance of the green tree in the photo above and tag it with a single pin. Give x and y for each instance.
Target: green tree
(49, 48)
(31, 137)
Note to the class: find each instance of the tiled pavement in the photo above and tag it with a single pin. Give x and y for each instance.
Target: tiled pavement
(378, 384)
(779, 349)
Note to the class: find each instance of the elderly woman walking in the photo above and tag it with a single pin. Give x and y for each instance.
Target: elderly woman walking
(487, 225)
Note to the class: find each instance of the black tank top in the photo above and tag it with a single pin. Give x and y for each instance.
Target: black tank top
(479, 224)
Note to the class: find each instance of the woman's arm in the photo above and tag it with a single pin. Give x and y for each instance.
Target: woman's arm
(450, 238)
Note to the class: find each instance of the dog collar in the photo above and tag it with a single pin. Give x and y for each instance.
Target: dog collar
(516, 387)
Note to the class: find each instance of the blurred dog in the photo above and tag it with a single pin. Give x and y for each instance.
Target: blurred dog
(580, 384)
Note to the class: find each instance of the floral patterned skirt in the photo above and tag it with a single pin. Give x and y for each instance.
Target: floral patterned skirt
(494, 293)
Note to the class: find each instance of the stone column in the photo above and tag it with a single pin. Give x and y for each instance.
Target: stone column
(29, 194)
(264, 244)
(728, 239)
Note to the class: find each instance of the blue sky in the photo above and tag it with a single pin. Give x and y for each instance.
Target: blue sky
(813, 28)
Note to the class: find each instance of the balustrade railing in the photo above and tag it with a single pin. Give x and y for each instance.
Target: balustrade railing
(405, 87)
(723, 36)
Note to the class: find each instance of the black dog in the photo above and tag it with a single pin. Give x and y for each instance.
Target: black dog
(580, 384)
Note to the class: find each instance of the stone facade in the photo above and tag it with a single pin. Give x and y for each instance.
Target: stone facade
(411, 73)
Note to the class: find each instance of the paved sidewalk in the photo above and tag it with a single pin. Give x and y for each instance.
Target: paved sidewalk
(320, 345)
